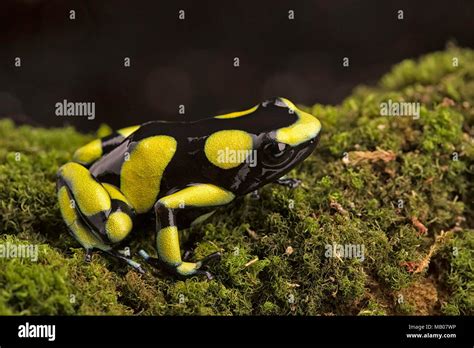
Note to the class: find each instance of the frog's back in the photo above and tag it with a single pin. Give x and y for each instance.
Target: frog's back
(161, 157)
(148, 163)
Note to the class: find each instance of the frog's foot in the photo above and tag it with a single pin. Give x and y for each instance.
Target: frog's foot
(183, 269)
(88, 256)
(187, 255)
(289, 182)
(135, 265)
(117, 255)
(255, 195)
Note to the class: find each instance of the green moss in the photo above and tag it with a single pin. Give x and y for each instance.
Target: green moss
(56, 284)
(372, 308)
(275, 249)
(458, 278)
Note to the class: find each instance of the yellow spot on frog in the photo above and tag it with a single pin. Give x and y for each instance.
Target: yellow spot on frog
(115, 193)
(187, 268)
(89, 195)
(141, 174)
(68, 213)
(228, 149)
(125, 132)
(88, 153)
(305, 128)
(167, 242)
(85, 237)
(237, 113)
(118, 226)
(202, 195)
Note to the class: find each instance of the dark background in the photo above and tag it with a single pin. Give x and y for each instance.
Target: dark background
(190, 61)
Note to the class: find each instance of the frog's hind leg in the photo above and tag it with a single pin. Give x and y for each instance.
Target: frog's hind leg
(91, 152)
(98, 215)
(78, 228)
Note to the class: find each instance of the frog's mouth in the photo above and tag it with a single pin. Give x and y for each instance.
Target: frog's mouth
(294, 155)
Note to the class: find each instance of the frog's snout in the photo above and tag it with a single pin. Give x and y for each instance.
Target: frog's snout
(306, 126)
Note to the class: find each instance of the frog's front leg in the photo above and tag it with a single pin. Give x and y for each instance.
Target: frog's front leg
(283, 181)
(167, 238)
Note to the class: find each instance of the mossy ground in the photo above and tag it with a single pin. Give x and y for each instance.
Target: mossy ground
(274, 248)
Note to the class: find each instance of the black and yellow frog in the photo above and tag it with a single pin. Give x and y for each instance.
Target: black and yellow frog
(180, 171)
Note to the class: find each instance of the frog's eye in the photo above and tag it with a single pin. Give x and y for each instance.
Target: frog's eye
(275, 149)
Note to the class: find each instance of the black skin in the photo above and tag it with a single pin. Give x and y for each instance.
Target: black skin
(190, 165)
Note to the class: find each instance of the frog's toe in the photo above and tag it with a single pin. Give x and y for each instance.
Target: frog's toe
(211, 257)
(88, 256)
(204, 262)
(255, 195)
(289, 182)
(152, 261)
(188, 269)
(187, 255)
(208, 274)
(140, 269)
(294, 183)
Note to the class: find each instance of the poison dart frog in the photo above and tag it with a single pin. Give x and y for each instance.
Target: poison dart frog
(180, 172)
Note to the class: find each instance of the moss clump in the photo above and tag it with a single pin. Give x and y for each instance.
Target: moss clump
(458, 257)
(389, 185)
(56, 284)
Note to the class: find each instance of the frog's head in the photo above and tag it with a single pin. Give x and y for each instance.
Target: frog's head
(285, 146)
